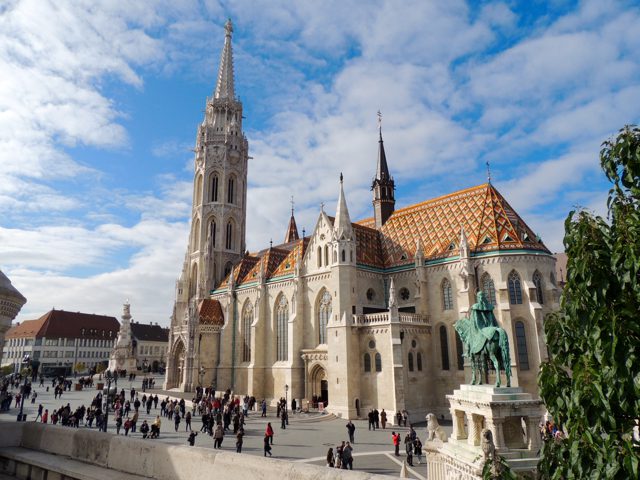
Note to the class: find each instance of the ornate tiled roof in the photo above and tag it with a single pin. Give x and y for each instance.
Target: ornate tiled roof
(210, 312)
(489, 222)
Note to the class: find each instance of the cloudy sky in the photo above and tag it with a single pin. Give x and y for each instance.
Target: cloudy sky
(99, 104)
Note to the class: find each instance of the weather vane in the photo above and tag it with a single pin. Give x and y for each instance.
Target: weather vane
(379, 120)
(488, 172)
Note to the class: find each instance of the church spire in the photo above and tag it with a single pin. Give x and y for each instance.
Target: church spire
(225, 85)
(342, 223)
(383, 185)
(292, 230)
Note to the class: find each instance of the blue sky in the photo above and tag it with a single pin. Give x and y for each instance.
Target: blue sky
(99, 103)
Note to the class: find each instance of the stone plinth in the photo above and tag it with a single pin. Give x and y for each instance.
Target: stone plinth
(512, 416)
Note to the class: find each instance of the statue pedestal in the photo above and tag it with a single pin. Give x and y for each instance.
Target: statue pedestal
(510, 414)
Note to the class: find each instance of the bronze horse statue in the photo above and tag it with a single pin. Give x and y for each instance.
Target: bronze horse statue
(484, 340)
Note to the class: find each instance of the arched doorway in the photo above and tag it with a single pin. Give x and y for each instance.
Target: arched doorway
(319, 384)
(177, 373)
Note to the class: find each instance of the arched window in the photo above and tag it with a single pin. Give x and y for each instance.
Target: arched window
(537, 281)
(324, 313)
(371, 294)
(214, 188)
(378, 362)
(319, 256)
(419, 361)
(488, 288)
(193, 281)
(521, 346)
(247, 319)
(326, 255)
(344, 256)
(199, 190)
(447, 295)
(282, 329)
(459, 352)
(229, 241)
(367, 362)
(230, 192)
(410, 361)
(444, 347)
(212, 233)
(196, 235)
(515, 289)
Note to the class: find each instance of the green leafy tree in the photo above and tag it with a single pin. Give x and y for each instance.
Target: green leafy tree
(591, 384)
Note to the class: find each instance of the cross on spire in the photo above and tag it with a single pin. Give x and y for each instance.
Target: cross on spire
(488, 172)
(379, 122)
(292, 205)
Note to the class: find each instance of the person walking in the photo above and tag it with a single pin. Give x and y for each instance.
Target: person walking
(239, 437)
(40, 407)
(408, 447)
(192, 438)
(417, 450)
(347, 458)
(176, 420)
(383, 419)
(330, 459)
(267, 446)
(396, 442)
(187, 422)
(218, 436)
(45, 416)
(269, 433)
(351, 428)
(264, 408)
(284, 417)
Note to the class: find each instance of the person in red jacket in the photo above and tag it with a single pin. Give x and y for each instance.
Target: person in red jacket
(269, 433)
(45, 416)
(396, 442)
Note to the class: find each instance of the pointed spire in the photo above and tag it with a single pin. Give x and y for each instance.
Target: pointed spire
(342, 223)
(225, 86)
(393, 301)
(292, 230)
(382, 170)
(464, 244)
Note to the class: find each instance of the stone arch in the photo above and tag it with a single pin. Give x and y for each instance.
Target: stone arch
(177, 357)
(246, 323)
(193, 280)
(214, 186)
(198, 191)
(319, 384)
(520, 335)
(195, 236)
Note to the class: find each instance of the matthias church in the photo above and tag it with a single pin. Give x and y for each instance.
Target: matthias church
(359, 313)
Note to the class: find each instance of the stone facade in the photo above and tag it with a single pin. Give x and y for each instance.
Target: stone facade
(361, 314)
(11, 301)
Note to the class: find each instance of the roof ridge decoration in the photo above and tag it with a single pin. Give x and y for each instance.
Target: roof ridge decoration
(225, 86)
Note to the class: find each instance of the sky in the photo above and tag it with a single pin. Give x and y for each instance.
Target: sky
(100, 101)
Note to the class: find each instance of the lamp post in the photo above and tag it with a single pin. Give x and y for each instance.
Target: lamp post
(26, 388)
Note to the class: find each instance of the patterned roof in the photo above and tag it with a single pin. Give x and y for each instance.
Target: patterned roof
(210, 312)
(488, 220)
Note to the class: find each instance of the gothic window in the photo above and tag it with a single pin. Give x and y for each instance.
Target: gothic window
(326, 255)
(447, 295)
(444, 347)
(324, 313)
(378, 362)
(367, 362)
(488, 288)
(459, 352)
(344, 256)
(282, 329)
(410, 361)
(198, 190)
(214, 188)
(230, 192)
(515, 289)
(371, 294)
(419, 361)
(537, 281)
(319, 256)
(212, 232)
(195, 234)
(193, 281)
(405, 294)
(521, 346)
(229, 242)
(247, 319)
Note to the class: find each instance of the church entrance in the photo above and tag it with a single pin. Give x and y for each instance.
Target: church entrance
(320, 385)
(177, 372)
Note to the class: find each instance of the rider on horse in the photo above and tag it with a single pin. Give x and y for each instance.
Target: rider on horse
(484, 323)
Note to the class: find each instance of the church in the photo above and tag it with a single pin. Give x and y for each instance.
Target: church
(358, 314)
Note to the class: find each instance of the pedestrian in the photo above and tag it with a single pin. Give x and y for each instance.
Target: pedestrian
(118, 424)
(40, 407)
(45, 416)
(127, 427)
(176, 420)
(376, 418)
(269, 432)
(383, 418)
(144, 429)
(372, 425)
(417, 450)
(187, 421)
(267, 447)
(396, 442)
(351, 428)
(347, 458)
(218, 436)
(264, 408)
(339, 449)
(239, 436)
(330, 460)
(399, 418)
(408, 447)
(405, 416)
(192, 438)
(283, 419)
(134, 421)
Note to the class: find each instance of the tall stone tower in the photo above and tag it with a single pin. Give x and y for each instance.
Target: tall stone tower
(218, 217)
(383, 187)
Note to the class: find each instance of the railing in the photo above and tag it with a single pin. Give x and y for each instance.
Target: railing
(383, 317)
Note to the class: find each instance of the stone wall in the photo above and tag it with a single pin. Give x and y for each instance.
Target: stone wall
(157, 460)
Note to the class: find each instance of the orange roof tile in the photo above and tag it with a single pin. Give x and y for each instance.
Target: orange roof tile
(26, 329)
(210, 312)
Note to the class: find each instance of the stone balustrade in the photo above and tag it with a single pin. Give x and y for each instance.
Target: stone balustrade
(367, 319)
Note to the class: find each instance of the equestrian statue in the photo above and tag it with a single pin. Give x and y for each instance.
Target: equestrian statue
(484, 340)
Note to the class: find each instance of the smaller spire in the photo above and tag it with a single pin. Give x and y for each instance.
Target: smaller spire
(292, 229)
(342, 222)
(225, 85)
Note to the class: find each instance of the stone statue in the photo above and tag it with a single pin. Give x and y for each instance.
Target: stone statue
(487, 445)
(483, 339)
(434, 430)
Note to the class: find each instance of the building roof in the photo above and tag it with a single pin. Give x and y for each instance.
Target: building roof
(63, 324)
(149, 332)
(292, 230)
(210, 312)
(26, 329)
(489, 222)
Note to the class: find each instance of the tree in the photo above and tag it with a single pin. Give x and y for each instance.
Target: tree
(591, 384)
(79, 367)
